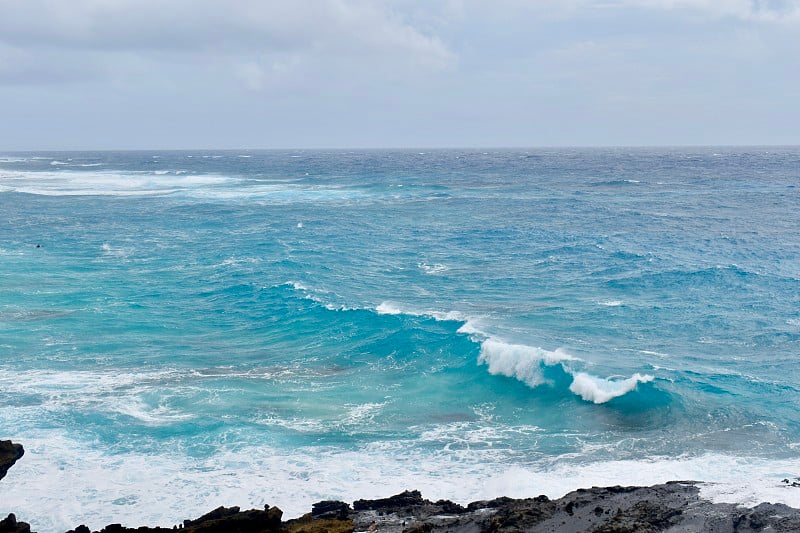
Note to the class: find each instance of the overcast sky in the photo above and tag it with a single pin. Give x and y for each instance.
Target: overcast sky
(108, 74)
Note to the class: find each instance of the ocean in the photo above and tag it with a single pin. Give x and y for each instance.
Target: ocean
(181, 330)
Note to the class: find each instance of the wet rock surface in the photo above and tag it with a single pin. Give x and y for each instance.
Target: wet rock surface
(9, 454)
(671, 507)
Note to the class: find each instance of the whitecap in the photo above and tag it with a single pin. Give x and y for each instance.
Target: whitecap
(600, 390)
(160, 415)
(108, 183)
(385, 308)
(436, 268)
(362, 413)
(390, 308)
(113, 251)
(519, 361)
(527, 364)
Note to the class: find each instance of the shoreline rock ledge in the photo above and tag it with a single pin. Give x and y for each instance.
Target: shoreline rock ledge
(670, 507)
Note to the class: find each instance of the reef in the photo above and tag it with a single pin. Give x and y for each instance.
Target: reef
(671, 507)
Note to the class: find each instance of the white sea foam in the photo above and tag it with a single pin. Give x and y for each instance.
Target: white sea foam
(650, 352)
(296, 285)
(107, 183)
(527, 363)
(78, 484)
(152, 416)
(114, 251)
(471, 327)
(436, 268)
(362, 413)
(386, 308)
(390, 308)
(238, 261)
(600, 390)
(610, 303)
(519, 361)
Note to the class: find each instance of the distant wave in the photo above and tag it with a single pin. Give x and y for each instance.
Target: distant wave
(388, 308)
(615, 183)
(436, 268)
(69, 182)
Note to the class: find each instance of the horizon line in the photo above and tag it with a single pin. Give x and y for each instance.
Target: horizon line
(408, 148)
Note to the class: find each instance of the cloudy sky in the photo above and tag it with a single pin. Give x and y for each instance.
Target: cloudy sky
(107, 74)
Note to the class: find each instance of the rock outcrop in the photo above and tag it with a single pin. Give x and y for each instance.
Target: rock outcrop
(9, 454)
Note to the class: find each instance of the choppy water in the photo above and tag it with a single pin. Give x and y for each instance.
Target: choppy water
(205, 328)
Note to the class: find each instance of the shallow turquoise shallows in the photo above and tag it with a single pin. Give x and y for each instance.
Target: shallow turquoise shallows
(181, 330)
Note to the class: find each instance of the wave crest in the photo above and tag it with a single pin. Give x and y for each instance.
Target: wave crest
(519, 361)
(527, 364)
(600, 390)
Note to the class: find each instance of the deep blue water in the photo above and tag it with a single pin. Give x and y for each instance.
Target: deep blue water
(180, 330)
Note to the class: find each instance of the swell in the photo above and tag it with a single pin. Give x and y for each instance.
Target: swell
(530, 365)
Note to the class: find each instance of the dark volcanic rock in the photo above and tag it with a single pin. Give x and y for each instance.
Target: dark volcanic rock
(403, 500)
(10, 525)
(330, 509)
(673, 507)
(220, 520)
(9, 454)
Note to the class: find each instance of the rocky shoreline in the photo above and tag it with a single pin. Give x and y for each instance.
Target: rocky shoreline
(672, 507)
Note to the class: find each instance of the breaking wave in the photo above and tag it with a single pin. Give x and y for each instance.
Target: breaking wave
(528, 363)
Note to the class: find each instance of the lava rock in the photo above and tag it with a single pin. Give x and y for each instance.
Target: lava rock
(330, 510)
(9, 454)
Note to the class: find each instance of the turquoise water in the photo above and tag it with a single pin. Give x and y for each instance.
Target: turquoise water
(180, 330)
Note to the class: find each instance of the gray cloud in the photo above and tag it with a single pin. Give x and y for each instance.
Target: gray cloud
(261, 38)
(356, 73)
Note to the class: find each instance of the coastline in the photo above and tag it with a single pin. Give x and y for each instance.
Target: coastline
(671, 506)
